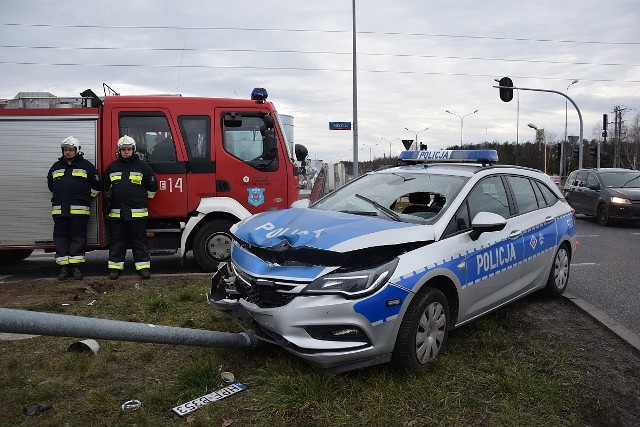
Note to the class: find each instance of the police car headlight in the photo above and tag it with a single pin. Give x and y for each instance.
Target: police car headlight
(353, 284)
(620, 201)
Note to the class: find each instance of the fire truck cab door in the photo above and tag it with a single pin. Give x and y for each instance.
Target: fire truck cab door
(157, 143)
(250, 163)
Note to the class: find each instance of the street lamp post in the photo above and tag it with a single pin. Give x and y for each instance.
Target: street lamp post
(566, 104)
(370, 146)
(389, 141)
(416, 133)
(461, 123)
(544, 142)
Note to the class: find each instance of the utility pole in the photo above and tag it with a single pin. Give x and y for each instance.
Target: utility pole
(355, 97)
(617, 131)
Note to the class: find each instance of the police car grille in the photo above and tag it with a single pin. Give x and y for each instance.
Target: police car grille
(264, 293)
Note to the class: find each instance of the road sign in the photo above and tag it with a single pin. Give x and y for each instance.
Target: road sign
(339, 125)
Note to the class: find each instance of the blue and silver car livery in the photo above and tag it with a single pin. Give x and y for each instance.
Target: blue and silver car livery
(381, 269)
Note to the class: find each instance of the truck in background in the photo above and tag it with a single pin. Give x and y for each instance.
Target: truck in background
(217, 161)
(328, 178)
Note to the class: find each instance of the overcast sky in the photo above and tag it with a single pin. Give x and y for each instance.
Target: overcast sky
(415, 60)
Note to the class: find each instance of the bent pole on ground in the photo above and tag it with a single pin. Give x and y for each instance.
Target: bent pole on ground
(63, 325)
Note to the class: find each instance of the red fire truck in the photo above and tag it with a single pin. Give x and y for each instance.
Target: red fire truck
(217, 161)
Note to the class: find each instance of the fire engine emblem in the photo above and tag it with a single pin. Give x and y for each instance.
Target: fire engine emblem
(256, 196)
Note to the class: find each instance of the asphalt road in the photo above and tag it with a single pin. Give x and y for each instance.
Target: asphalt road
(42, 265)
(605, 270)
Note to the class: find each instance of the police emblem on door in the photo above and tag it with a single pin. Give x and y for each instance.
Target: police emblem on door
(256, 196)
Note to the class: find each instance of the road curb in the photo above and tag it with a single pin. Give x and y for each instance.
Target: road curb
(617, 329)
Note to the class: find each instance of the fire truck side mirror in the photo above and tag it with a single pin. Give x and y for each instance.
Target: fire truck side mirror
(301, 152)
(268, 121)
(270, 145)
(233, 120)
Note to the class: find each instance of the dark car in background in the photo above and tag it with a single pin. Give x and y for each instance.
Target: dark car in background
(606, 193)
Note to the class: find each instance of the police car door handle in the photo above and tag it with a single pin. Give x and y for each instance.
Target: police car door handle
(549, 220)
(515, 234)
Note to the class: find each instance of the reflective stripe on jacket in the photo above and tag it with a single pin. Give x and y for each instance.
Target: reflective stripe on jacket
(72, 186)
(130, 183)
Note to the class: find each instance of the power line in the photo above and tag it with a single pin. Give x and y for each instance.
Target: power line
(253, 67)
(312, 52)
(300, 30)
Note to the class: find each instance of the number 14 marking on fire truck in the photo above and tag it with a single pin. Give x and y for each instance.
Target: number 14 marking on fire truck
(171, 185)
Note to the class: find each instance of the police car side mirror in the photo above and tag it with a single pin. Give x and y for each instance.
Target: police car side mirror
(485, 222)
(594, 187)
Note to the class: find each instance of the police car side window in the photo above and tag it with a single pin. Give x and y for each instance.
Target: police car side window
(460, 221)
(549, 196)
(489, 195)
(523, 194)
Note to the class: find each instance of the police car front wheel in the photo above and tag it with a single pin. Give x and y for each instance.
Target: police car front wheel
(424, 330)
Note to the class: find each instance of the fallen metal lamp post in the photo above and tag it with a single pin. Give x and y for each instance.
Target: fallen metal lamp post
(63, 325)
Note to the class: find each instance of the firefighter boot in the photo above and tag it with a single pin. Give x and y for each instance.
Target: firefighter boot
(145, 273)
(64, 274)
(76, 273)
(114, 274)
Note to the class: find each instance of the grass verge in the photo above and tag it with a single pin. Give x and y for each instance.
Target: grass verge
(499, 371)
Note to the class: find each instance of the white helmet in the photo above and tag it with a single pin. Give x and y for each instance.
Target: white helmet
(127, 142)
(70, 141)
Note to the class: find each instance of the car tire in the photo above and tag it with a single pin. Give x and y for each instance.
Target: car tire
(424, 330)
(559, 274)
(212, 244)
(603, 215)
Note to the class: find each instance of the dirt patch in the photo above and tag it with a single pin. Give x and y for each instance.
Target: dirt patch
(609, 366)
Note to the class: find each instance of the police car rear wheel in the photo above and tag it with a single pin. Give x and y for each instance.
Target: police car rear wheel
(559, 275)
(424, 330)
(212, 244)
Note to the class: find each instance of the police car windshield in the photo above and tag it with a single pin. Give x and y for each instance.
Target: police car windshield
(416, 197)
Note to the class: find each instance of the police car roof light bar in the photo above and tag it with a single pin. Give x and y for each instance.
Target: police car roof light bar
(451, 156)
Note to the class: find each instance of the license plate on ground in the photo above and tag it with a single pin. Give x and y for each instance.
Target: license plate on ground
(189, 407)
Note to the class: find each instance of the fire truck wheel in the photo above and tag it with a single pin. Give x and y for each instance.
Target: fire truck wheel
(14, 256)
(212, 244)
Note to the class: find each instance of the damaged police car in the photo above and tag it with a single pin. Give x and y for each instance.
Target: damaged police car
(383, 268)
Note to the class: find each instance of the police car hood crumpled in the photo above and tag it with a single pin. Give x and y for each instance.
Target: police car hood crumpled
(327, 230)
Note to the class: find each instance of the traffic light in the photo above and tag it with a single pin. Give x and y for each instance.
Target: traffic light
(506, 89)
(576, 151)
(559, 148)
(594, 150)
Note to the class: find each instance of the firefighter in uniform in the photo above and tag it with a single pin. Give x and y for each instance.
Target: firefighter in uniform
(129, 183)
(73, 182)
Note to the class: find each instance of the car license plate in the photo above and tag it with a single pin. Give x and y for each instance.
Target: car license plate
(187, 408)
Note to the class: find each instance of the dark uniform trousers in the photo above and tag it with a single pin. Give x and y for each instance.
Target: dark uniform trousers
(70, 238)
(128, 232)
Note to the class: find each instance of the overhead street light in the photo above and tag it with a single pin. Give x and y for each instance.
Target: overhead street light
(416, 133)
(389, 141)
(461, 123)
(566, 104)
(544, 142)
(370, 146)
